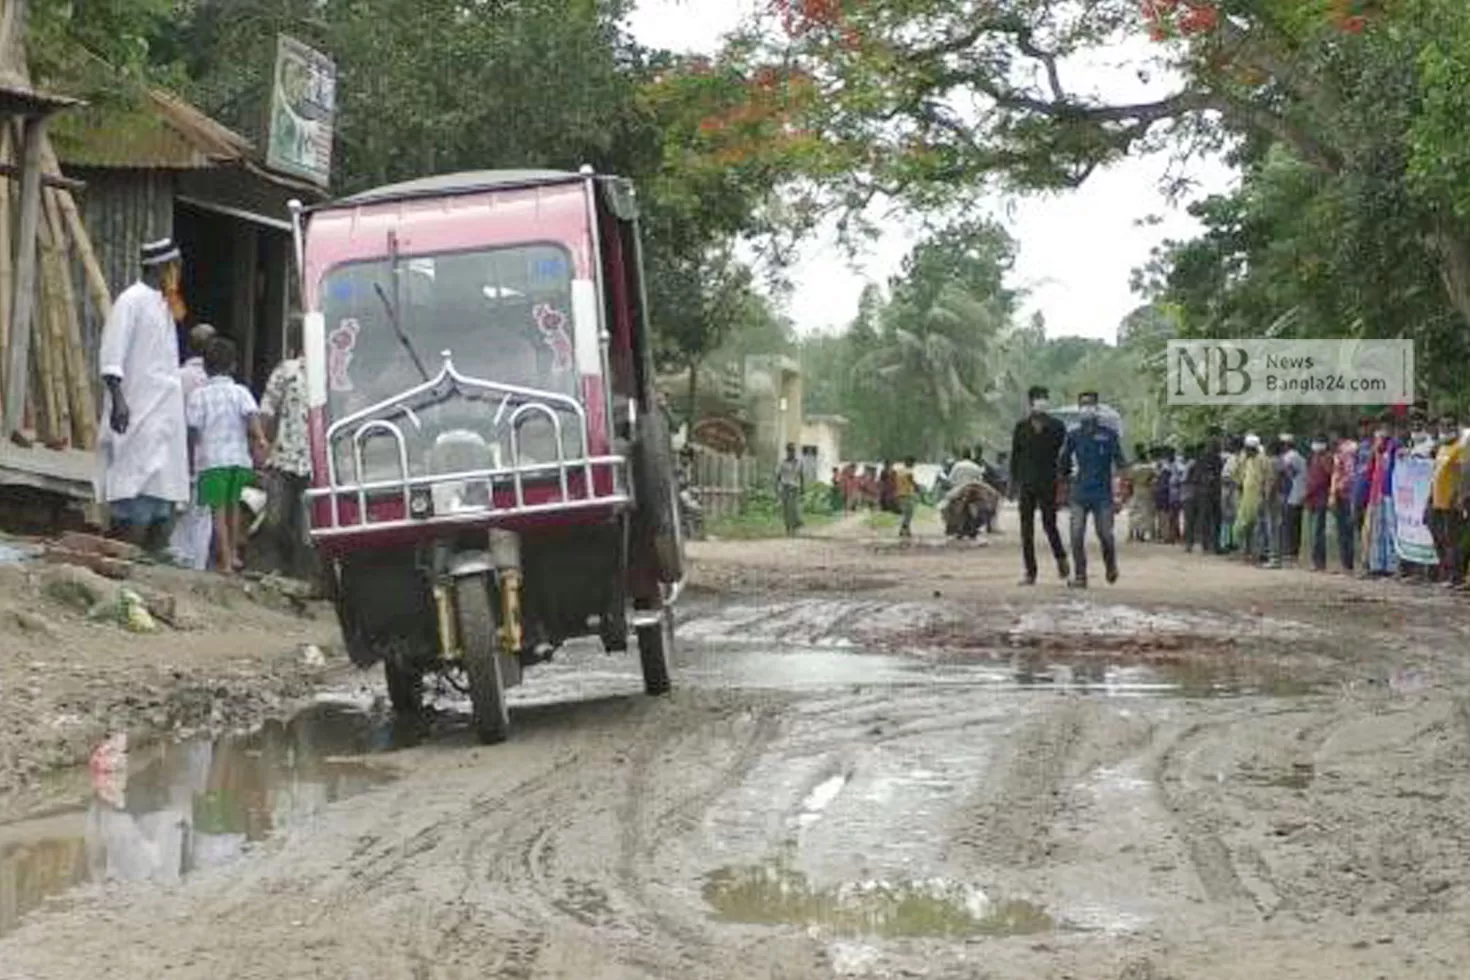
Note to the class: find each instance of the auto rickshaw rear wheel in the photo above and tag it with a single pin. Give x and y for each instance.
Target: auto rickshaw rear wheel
(480, 644)
(655, 648)
(657, 488)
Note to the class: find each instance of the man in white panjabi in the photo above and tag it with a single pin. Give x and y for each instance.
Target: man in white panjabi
(144, 449)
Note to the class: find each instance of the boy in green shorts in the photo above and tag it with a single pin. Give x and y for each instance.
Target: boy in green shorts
(227, 441)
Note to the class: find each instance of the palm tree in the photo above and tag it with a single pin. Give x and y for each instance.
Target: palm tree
(936, 366)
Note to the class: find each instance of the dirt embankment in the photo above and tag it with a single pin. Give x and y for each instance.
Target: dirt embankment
(223, 653)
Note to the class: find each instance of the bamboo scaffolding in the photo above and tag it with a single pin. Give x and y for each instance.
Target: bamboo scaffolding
(47, 355)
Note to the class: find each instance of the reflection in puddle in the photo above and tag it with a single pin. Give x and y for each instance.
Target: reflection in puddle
(776, 894)
(172, 809)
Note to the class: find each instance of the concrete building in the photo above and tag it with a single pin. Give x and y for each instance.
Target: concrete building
(821, 445)
(773, 392)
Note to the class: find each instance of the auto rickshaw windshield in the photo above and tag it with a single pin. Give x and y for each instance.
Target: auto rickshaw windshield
(504, 314)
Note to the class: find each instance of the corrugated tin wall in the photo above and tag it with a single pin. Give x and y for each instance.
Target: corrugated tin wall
(122, 209)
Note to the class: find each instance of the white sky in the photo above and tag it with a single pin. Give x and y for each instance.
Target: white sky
(1076, 248)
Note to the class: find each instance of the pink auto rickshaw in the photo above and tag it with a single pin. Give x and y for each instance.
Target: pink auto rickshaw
(491, 474)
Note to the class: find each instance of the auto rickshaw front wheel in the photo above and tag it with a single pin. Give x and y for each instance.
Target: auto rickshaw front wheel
(655, 647)
(480, 644)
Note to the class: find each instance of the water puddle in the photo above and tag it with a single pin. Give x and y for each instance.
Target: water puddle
(160, 813)
(776, 894)
(788, 668)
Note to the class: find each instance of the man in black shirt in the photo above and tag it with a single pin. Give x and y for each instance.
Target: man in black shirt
(1035, 449)
(1209, 467)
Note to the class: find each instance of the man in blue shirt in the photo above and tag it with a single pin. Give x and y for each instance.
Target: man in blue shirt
(1089, 455)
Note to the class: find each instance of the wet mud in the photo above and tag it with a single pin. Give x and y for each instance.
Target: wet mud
(1110, 787)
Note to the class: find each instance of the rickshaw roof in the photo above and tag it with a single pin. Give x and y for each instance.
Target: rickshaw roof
(465, 182)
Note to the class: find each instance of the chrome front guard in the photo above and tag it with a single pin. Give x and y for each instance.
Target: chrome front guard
(521, 404)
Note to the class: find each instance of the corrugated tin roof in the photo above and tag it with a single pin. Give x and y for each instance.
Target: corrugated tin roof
(155, 131)
(19, 97)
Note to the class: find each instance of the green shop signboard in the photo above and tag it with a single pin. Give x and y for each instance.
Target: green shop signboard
(303, 111)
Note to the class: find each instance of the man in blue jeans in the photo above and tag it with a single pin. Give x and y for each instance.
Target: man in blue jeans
(1089, 455)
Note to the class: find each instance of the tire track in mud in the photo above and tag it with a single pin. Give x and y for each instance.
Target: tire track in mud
(1238, 877)
(1011, 824)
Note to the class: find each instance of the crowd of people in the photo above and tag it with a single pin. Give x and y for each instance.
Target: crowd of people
(1270, 502)
(185, 443)
(1273, 503)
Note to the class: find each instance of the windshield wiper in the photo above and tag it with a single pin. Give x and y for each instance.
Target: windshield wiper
(391, 306)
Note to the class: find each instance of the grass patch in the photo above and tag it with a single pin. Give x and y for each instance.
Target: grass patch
(755, 525)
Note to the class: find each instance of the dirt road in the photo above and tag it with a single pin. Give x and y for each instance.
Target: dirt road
(878, 762)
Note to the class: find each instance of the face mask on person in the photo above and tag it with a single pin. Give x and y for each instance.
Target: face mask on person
(1380, 434)
(1039, 406)
(1088, 413)
(1319, 447)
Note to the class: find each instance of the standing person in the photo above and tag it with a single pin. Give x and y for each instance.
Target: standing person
(1447, 519)
(1178, 473)
(1341, 498)
(283, 410)
(224, 424)
(1191, 498)
(906, 489)
(1233, 452)
(790, 484)
(1254, 473)
(1273, 505)
(188, 545)
(144, 448)
(1036, 446)
(1294, 471)
(1317, 498)
(1141, 476)
(1089, 456)
(836, 496)
(1163, 490)
(887, 489)
(1380, 554)
(1209, 463)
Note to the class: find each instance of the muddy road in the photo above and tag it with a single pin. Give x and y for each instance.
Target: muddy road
(878, 762)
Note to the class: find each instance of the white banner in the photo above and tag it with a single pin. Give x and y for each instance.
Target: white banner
(1412, 477)
(1290, 372)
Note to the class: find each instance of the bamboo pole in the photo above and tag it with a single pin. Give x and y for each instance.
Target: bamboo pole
(63, 356)
(7, 143)
(25, 275)
(97, 289)
(83, 402)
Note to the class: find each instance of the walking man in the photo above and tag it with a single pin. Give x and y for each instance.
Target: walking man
(906, 488)
(1090, 454)
(283, 412)
(1036, 447)
(790, 484)
(1209, 466)
(144, 449)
